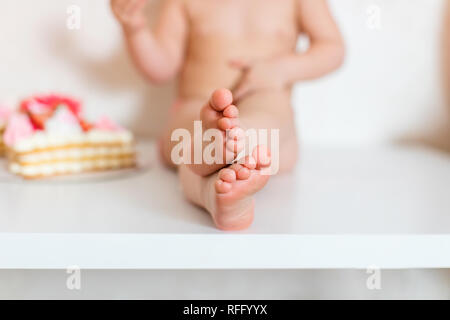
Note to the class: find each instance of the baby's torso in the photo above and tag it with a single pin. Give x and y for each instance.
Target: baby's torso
(224, 30)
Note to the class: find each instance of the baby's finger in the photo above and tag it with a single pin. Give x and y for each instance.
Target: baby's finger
(240, 91)
(239, 64)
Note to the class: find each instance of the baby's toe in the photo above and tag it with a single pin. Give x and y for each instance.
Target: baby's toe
(236, 133)
(222, 186)
(221, 99)
(227, 123)
(231, 111)
(249, 162)
(235, 146)
(242, 173)
(262, 156)
(227, 175)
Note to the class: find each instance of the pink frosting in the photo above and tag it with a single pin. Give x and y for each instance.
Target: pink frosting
(37, 107)
(19, 127)
(106, 124)
(5, 113)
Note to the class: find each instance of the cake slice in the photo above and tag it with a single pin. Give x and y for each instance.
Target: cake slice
(5, 113)
(49, 137)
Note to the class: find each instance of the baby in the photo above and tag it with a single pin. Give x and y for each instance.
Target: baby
(236, 62)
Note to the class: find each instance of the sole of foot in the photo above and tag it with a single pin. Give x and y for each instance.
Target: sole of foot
(235, 187)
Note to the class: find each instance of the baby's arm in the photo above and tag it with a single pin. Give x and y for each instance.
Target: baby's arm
(326, 53)
(157, 54)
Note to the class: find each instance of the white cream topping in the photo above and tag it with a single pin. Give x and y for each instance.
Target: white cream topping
(63, 123)
(69, 167)
(43, 139)
(76, 153)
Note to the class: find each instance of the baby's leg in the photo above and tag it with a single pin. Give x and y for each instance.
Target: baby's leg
(218, 114)
(227, 194)
(183, 115)
(270, 112)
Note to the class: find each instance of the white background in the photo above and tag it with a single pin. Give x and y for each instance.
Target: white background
(390, 90)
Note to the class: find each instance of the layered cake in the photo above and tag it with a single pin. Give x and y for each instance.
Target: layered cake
(5, 113)
(49, 136)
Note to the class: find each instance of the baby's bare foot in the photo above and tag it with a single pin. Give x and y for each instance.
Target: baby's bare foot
(235, 186)
(219, 113)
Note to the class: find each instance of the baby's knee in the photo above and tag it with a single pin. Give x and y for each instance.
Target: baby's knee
(164, 154)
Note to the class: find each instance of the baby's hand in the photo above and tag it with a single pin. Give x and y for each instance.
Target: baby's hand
(257, 76)
(130, 13)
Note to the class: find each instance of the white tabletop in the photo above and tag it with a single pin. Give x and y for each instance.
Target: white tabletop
(352, 198)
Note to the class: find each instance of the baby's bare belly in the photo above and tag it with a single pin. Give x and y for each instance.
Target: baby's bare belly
(207, 65)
